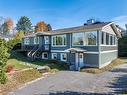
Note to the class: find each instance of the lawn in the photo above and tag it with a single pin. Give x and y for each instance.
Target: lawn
(52, 64)
(18, 65)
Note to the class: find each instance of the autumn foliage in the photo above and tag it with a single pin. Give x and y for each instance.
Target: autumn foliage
(42, 27)
(9, 23)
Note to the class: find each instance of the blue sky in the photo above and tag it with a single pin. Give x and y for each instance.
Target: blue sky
(65, 13)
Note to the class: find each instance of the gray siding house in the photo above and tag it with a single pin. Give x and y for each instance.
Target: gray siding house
(94, 44)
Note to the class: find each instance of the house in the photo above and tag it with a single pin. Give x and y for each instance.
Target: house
(94, 44)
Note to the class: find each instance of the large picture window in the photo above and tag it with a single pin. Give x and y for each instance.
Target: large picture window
(92, 38)
(78, 38)
(84, 38)
(59, 40)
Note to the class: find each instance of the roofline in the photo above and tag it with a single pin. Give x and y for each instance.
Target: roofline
(70, 31)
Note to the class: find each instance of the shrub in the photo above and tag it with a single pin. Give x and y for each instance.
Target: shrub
(54, 70)
(3, 77)
(55, 61)
(9, 68)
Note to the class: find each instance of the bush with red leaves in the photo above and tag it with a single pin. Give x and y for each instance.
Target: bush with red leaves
(9, 68)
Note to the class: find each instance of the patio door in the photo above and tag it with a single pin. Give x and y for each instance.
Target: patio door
(79, 60)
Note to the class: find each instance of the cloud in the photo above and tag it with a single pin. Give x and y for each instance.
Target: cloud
(120, 20)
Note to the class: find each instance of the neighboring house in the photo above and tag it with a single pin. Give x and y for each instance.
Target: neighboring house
(94, 44)
(6, 37)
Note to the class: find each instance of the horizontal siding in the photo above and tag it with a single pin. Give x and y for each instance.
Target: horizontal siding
(106, 57)
(91, 60)
(107, 48)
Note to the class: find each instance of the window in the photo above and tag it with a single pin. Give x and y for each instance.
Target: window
(78, 38)
(107, 39)
(45, 55)
(26, 41)
(46, 38)
(59, 40)
(84, 38)
(63, 57)
(54, 56)
(111, 40)
(36, 40)
(102, 37)
(92, 38)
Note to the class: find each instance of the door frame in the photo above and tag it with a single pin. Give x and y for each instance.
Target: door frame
(78, 64)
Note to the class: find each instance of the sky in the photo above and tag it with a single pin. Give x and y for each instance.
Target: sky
(65, 13)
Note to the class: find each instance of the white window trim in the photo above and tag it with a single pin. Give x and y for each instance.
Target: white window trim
(53, 56)
(43, 55)
(62, 56)
(83, 38)
(36, 38)
(46, 39)
(26, 41)
(62, 40)
(114, 37)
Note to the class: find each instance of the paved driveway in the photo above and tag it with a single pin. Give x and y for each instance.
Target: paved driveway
(78, 83)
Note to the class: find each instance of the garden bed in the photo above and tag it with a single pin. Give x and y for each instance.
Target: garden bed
(17, 79)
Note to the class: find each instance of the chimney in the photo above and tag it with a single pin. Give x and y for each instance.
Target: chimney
(90, 21)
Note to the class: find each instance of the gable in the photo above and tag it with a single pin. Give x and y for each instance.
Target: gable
(108, 29)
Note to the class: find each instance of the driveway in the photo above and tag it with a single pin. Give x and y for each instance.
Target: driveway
(79, 83)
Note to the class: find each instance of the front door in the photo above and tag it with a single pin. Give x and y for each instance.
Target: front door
(79, 61)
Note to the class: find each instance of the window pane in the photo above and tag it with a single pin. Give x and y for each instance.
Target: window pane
(59, 40)
(107, 39)
(111, 40)
(90, 38)
(78, 38)
(102, 37)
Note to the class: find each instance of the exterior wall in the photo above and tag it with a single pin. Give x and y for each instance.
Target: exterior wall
(108, 29)
(91, 60)
(69, 45)
(107, 48)
(107, 53)
(106, 58)
(62, 47)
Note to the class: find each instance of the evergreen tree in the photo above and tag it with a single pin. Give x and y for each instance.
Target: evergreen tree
(24, 24)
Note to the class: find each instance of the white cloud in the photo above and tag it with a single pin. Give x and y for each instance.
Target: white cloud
(120, 20)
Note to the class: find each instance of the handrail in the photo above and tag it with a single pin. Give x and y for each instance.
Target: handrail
(31, 51)
(35, 51)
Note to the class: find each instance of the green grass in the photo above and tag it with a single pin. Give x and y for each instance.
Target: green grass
(51, 64)
(17, 58)
(17, 64)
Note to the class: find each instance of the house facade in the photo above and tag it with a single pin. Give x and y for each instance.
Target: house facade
(93, 44)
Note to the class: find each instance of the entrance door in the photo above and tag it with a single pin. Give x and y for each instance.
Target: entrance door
(79, 60)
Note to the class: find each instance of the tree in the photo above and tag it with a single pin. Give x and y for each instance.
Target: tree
(4, 55)
(24, 24)
(7, 26)
(41, 27)
(49, 27)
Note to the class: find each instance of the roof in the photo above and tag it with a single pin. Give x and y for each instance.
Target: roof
(86, 27)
